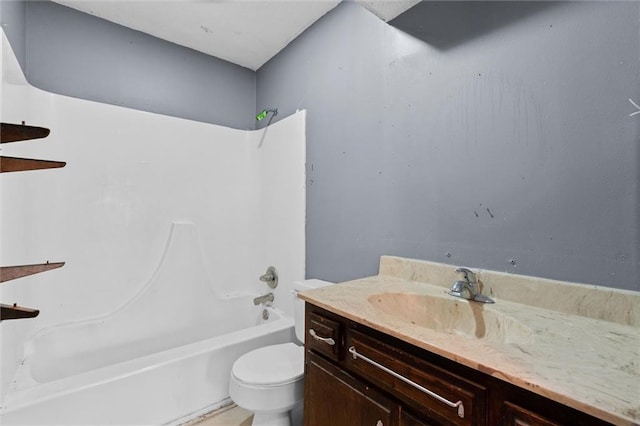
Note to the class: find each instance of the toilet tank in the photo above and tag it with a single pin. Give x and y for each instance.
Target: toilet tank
(298, 304)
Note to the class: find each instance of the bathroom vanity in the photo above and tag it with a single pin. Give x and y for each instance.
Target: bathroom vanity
(395, 349)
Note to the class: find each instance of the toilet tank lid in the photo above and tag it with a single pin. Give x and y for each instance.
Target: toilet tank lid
(309, 284)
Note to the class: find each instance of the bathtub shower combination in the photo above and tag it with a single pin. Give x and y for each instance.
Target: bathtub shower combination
(161, 357)
(115, 342)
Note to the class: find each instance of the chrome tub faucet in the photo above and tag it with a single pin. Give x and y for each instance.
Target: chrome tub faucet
(266, 299)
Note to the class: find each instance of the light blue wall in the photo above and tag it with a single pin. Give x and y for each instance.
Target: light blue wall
(72, 53)
(506, 137)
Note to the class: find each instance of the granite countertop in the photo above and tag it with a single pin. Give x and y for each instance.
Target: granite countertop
(576, 344)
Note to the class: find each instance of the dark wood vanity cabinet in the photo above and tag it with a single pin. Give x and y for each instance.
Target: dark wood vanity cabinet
(356, 376)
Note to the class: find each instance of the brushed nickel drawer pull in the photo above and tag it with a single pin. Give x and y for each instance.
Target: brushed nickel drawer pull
(327, 340)
(458, 405)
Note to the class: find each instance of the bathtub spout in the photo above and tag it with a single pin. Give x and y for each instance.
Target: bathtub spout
(265, 299)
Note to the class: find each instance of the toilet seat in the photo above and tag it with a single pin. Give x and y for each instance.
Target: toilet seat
(270, 366)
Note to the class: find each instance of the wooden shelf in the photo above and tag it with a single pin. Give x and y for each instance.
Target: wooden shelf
(15, 164)
(9, 312)
(20, 132)
(17, 133)
(8, 273)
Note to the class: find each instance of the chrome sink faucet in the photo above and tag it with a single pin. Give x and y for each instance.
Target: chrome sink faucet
(468, 288)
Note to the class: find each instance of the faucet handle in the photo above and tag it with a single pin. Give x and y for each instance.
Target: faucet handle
(469, 275)
(457, 287)
(270, 277)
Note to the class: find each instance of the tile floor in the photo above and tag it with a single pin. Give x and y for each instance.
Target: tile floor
(231, 415)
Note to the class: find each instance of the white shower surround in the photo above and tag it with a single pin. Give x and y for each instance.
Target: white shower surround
(129, 175)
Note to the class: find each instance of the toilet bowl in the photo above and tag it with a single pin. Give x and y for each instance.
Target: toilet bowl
(269, 381)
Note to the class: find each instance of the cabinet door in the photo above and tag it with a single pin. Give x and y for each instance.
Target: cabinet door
(332, 397)
(407, 419)
(518, 416)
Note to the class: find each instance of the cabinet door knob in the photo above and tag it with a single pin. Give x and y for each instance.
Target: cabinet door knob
(328, 340)
(379, 423)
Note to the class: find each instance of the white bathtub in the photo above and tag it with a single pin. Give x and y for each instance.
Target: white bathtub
(165, 387)
(163, 356)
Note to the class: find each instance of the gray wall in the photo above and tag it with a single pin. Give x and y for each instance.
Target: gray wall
(496, 134)
(502, 142)
(13, 21)
(72, 53)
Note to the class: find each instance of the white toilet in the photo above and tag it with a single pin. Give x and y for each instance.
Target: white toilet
(269, 380)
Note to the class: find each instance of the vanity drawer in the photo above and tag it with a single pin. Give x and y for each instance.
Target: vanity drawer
(416, 383)
(324, 335)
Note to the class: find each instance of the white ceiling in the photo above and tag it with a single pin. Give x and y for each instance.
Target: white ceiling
(245, 32)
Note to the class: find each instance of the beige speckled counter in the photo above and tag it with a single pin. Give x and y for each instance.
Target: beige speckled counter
(576, 344)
